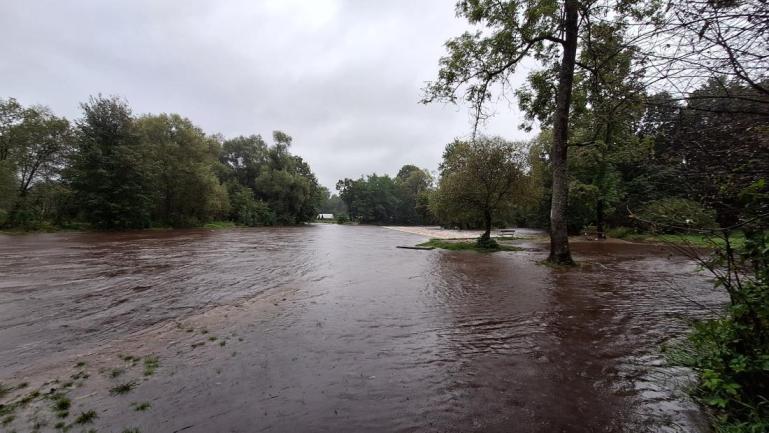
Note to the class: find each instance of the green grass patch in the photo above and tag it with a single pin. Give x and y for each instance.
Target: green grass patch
(216, 225)
(151, 363)
(453, 245)
(737, 239)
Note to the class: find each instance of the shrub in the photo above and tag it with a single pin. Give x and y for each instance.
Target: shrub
(731, 353)
(620, 232)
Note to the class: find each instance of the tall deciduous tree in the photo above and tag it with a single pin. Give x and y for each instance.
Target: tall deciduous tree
(186, 191)
(547, 31)
(514, 31)
(41, 141)
(110, 171)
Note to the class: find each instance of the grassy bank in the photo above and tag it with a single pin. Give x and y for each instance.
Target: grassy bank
(737, 239)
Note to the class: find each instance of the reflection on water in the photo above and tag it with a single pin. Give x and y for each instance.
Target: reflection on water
(363, 336)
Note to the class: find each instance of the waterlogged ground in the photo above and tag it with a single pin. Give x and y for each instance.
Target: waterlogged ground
(331, 328)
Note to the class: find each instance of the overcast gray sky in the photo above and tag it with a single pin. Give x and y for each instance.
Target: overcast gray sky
(343, 77)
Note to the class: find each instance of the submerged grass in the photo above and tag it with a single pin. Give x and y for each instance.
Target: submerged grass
(141, 407)
(123, 388)
(456, 245)
(86, 417)
(151, 363)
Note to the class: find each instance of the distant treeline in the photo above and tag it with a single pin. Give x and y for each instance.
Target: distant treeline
(111, 169)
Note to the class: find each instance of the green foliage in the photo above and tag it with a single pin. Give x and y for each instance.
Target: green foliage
(731, 352)
(246, 210)
(116, 171)
(186, 192)
(110, 172)
(386, 200)
(283, 188)
(676, 215)
(479, 181)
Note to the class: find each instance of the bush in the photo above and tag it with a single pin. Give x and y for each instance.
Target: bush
(676, 215)
(342, 219)
(620, 232)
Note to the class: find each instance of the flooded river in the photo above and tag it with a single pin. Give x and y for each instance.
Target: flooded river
(331, 328)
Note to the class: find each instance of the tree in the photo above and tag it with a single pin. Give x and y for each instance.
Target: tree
(185, 189)
(41, 141)
(110, 170)
(479, 179)
(413, 185)
(517, 30)
(283, 181)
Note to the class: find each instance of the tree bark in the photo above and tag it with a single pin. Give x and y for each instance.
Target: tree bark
(559, 237)
(486, 225)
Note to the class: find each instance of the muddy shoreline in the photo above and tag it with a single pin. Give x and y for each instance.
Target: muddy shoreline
(331, 328)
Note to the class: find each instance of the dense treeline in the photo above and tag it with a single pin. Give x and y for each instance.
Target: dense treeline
(386, 200)
(112, 169)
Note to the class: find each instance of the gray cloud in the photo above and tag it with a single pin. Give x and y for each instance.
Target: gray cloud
(343, 77)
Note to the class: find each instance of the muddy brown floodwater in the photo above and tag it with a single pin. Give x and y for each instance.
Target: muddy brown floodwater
(331, 328)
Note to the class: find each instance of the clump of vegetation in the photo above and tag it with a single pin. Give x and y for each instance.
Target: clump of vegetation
(86, 417)
(130, 359)
(141, 407)
(61, 404)
(151, 363)
(123, 388)
(731, 352)
(116, 372)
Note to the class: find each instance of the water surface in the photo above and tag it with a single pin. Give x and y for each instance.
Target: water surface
(331, 328)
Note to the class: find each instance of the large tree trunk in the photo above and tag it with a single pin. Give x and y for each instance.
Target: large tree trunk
(559, 237)
(486, 225)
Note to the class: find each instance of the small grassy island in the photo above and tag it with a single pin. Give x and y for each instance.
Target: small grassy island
(468, 245)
